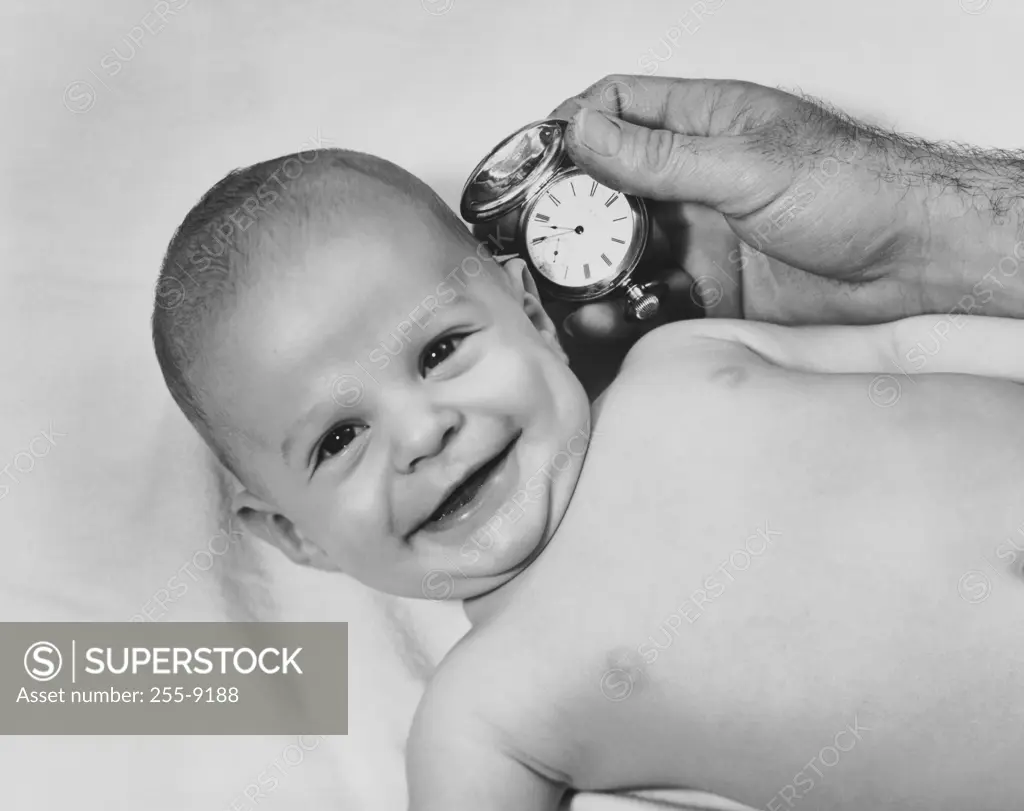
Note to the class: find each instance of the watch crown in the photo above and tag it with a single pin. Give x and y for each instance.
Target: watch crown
(642, 305)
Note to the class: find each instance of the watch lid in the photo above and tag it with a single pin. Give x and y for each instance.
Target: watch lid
(504, 179)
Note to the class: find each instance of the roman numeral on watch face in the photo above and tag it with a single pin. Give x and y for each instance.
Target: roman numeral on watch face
(578, 237)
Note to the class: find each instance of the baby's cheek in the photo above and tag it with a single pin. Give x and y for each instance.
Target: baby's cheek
(363, 555)
(351, 526)
(533, 381)
(510, 372)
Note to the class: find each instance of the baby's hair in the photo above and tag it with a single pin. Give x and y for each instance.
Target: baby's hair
(249, 214)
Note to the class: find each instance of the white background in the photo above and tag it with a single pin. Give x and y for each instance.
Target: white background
(96, 180)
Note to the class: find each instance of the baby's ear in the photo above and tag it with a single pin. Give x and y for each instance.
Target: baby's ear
(524, 289)
(275, 529)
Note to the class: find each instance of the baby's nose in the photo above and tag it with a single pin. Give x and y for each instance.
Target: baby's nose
(422, 431)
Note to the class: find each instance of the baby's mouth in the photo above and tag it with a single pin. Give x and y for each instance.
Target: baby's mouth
(462, 501)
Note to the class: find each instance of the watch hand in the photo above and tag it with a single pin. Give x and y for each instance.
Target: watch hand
(548, 236)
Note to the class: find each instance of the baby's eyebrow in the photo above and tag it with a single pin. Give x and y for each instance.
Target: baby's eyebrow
(298, 428)
(431, 302)
(423, 319)
(346, 391)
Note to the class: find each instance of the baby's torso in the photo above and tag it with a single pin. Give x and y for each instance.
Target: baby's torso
(757, 561)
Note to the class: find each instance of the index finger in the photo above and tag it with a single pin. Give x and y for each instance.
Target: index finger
(686, 106)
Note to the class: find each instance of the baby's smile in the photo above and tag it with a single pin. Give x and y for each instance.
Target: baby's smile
(477, 494)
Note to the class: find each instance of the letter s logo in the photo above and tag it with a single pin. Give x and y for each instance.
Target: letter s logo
(43, 661)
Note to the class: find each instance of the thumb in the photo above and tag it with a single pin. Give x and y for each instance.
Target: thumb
(660, 164)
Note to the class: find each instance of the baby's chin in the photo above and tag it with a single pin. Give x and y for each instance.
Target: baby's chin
(483, 593)
(506, 543)
(489, 557)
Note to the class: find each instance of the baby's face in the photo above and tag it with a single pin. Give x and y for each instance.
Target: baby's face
(409, 419)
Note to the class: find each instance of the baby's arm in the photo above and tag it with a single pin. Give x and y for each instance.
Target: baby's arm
(925, 344)
(960, 344)
(454, 763)
(465, 776)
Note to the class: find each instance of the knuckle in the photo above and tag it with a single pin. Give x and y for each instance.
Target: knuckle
(659, 150)
(598, 87)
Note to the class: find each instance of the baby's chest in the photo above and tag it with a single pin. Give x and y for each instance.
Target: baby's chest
(585, 698)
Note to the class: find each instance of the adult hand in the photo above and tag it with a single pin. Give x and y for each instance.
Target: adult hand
(840, 222)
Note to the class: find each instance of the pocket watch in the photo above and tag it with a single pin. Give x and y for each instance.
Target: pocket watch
(581, 240)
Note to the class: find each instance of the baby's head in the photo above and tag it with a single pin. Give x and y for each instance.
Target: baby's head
(394, 402)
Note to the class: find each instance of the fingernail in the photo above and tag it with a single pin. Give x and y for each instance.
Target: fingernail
(567, 326)
(597, 132)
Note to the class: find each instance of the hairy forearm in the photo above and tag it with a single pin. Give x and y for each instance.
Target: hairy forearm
(956, 239)
(973, 203)
(977, 265)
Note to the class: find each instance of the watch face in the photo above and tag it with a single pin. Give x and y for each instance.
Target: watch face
(579, 232)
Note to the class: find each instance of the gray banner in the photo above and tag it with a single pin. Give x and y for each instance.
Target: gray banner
(188, 678)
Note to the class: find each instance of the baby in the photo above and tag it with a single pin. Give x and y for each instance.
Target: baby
(741, 570)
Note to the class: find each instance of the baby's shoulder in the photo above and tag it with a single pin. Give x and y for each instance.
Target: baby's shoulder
(495, 692)
(704, 359)
(708, 345)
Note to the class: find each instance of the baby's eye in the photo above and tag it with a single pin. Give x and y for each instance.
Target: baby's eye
(439, 351)
(336, 440)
